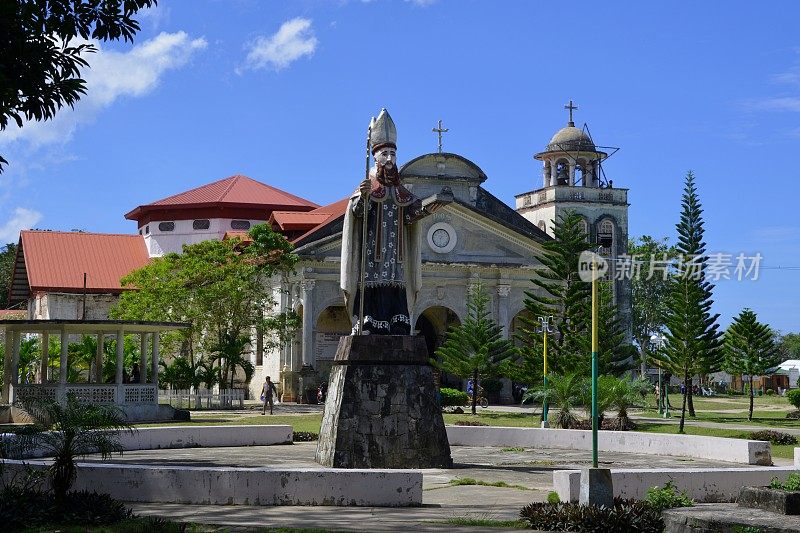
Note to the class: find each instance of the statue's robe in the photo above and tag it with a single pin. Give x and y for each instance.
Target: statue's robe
(393, 273)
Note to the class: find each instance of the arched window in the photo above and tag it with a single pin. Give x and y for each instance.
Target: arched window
(542, 225)
(585, 227)
(605, 230)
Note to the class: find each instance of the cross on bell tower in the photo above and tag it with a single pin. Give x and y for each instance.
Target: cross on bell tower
(571, 108)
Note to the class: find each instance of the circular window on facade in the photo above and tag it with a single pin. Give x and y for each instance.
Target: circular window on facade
(442, 237)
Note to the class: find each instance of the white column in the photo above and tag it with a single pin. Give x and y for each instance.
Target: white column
(503, 292)
(98, 359)
(590, 166)
(553, 173)
(154, 362)
(143, 360)
(62, 363)
(120, 355)
(7, 367)
(15, 363)
(571, 167)
(45, 358)
(545, 174)
(308, 323)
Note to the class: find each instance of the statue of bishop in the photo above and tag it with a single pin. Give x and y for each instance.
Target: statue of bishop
(391, 277)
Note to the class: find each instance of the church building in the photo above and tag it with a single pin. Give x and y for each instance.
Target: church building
(475, 239)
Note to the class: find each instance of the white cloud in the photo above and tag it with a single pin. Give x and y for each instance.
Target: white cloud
(156, 16)
(777, 103)
(21, 219)
(293, 40)
(111, 75)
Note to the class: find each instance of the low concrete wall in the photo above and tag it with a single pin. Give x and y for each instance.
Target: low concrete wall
(716, 448)
(701, 484)
(244, 486)
(205, 437)
(797, 457)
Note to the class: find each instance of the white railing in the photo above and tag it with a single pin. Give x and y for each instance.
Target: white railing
(203, 398)
(89, 393)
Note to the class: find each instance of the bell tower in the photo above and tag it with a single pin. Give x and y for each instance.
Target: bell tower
(573, 179)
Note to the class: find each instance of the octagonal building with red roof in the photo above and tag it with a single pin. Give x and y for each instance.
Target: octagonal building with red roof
(211, 211)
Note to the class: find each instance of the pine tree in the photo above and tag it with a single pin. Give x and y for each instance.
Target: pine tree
(560, 292)
(475, 348)
(749, 349)
(693, 342)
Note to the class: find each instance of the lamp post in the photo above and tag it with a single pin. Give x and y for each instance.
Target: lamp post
(658, 340)
(545, 329)
(604, 240)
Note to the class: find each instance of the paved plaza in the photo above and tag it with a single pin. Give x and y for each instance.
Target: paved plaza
(531, 469)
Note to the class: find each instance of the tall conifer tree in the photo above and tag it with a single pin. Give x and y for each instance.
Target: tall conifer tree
(693, 342)
(475, 349)
(559, 291)
(749, 349)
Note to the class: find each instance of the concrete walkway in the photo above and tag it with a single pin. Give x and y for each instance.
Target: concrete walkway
(531, 469)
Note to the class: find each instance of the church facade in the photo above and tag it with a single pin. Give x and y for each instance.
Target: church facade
(475, 239)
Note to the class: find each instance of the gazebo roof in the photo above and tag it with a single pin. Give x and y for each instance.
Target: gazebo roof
(91, 326)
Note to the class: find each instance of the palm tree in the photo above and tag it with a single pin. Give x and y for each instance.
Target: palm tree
(565, 391)
(623, 394)
(68, 430)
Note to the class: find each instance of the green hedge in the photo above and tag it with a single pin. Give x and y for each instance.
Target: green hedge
(453, 397)
(794, 397)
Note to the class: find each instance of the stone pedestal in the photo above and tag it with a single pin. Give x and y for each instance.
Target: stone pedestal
(381, 410)
(596, 487)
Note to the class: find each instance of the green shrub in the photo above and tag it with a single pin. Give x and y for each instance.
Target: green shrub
(552, 497)
(793, 396)
(775, 437)
(453, 397)
(24, 507)
(304, 436)
(625, 515)
(667, 497)
(770, 392)
(792, 482)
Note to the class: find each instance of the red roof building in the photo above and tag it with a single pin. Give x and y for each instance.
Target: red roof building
(236, 197)
(221, 208)
(56, 262)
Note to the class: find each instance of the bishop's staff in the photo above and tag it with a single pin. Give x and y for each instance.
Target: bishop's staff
(362, 272)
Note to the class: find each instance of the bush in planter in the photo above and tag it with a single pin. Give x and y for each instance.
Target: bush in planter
(775, 437)
(793, 396)
(667, 497)
(625, 515)
(453, 397)
(792, 483)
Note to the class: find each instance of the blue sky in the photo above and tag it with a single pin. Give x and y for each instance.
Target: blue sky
(283, 92)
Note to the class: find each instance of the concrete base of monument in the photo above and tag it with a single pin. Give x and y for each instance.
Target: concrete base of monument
(381, 410)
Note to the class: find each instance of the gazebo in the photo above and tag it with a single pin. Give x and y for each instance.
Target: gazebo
(138, 400)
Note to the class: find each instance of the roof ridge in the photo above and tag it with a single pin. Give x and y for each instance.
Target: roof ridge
(65, 232)
(234, 179)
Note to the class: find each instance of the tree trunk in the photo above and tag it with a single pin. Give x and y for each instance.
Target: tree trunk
(643, 366)
(688, 388)
(683, 407)
(474, 390)
(750, 413)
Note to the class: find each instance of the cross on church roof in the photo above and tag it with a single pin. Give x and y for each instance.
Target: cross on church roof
(440, 130)
(571, 107)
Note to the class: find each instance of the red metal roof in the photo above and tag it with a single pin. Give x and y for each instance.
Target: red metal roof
(332, 212)
(293, 220)
(235, 191)
(56, 260)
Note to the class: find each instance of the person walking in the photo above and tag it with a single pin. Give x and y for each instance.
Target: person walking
(268, 392)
